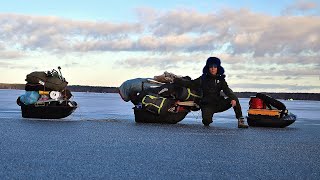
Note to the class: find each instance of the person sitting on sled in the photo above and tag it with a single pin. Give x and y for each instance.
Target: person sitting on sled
(212, 82)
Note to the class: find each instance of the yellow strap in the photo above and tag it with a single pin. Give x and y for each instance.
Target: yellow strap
(161, 105)
(150, 104)
(190, 93)
(144, 98)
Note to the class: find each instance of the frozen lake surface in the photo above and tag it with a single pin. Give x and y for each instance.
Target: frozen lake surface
(109, 106)
(101, 140)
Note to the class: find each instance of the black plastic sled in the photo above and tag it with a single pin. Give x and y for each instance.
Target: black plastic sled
(271, 121)
(48, 110)
(266, 111)
(144, 116)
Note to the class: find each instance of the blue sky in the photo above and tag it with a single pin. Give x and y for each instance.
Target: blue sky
(122, 10)
(268, 46)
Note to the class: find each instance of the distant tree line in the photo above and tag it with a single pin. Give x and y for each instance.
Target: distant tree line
(12, 86)
(72, 88)
(101, 89)
(97, 89)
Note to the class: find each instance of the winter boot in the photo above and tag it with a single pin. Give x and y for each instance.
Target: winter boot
(241, 123)
(205, 123)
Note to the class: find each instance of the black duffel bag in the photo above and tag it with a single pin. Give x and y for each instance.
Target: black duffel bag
(51, 80)
(156, 104)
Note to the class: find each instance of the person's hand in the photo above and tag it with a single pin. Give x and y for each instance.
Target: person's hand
(233, 103)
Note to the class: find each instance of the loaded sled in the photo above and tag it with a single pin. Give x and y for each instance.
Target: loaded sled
(46, 96)
(168, 104)
(265, 111)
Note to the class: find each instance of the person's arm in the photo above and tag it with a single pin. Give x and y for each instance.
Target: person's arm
(193, 84)
(227, 91)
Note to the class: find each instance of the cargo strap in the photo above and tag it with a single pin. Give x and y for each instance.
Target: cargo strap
(150, 104)
(190, 93)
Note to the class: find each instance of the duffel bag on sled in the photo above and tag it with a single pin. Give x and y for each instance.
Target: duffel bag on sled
(51, 80)
(157, 105)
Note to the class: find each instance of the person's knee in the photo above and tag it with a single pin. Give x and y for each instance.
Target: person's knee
(224, 105)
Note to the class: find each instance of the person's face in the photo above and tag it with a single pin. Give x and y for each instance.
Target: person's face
(213, 70)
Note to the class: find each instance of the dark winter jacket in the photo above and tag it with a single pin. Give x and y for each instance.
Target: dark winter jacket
(211, 85)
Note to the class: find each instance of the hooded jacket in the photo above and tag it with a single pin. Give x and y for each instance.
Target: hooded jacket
(211, 85)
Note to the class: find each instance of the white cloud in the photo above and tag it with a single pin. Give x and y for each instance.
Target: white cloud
(13, 54)
(53, 33)
(246, 41)
(172, 31)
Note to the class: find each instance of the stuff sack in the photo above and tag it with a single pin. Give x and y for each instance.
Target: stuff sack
(55, 83)
(133, 86)
(256, 103)
(157, 105)
(268, 100)
(51, 80)
(30, 97)
(36, 77)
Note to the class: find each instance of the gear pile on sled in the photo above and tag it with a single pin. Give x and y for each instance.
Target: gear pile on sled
(265, 111)
(159, 100)
(46, 96)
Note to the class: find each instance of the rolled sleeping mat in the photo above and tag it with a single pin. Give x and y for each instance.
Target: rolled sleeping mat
(44, 92)
(55, 95)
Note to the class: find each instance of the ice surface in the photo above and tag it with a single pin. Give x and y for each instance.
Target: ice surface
(109, 106)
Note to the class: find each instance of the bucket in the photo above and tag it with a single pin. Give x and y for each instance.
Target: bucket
(256, 103)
